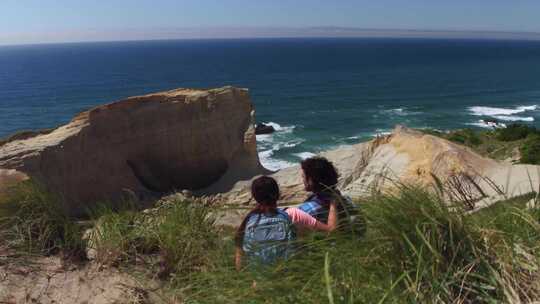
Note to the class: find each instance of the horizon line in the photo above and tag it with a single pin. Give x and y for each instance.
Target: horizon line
(227, 33)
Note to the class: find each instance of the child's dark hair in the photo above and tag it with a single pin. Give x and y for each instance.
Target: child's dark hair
(265, 191)
(322, 174)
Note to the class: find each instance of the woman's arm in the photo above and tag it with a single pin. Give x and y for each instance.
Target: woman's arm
(303, 219)
(238, 258)
(331, 223)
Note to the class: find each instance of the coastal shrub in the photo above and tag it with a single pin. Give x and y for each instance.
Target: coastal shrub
(530, 150)
(34, 221)
(119, 235)
(515, 132)
(187, 237)
(466, 137)
(433, 132)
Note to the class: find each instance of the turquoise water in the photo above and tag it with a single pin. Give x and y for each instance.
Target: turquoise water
(319, 93)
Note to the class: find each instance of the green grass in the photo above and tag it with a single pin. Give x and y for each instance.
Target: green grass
(466, 137)
(515, 132)
(34, 221)
(186, 236)
(530, 150)
(518, 140)
(176, 240)
(416, 250)
(116, 237)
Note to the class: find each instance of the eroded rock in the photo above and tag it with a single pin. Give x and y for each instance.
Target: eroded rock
(411, 157)
(179, 139)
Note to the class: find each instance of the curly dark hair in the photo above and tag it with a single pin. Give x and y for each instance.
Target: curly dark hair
(322, 174)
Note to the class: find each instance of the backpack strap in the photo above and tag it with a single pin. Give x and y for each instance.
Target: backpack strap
(284, 214)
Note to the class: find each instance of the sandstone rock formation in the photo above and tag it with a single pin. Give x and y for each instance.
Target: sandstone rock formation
(410, 156)
(180, 139)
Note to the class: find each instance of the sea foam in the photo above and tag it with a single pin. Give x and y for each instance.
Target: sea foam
(513, 118)
(493, 111)
(272, 163)
(502, 114)
(269, 144)
(304, 155)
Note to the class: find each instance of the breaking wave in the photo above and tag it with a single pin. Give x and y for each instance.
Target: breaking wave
(269, 144)
(304, 155)
(493, 111)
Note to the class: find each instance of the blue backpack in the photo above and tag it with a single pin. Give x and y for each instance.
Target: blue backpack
(269, 238)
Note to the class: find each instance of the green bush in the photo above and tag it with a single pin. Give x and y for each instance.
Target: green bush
(34, 221)
(466, 137)
(530, 150)
(515, 132)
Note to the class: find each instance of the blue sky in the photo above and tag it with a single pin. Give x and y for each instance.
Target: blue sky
(43, 21)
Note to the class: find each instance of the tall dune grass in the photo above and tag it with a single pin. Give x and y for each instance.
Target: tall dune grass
(416, 250)
(32, 220)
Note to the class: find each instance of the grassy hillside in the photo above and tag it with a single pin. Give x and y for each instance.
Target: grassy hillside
(416, 249)
(518, 143)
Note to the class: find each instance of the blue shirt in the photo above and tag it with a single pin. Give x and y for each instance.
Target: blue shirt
(316, 207)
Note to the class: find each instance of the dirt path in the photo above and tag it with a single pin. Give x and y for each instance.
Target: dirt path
(46, 280)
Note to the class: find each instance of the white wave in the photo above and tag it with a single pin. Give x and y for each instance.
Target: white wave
(271, 163)
(280, 145)
(482, 124)
(529, 108)
(492, 111)
(304, 155)
(488, 125)
(479, 124)
(268, 148)
(279, 128)
(401, 112)
(280, 132)
(265, 137)
(513, 118)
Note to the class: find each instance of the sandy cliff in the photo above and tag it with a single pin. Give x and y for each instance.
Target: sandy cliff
(410, 156)
(180, 139)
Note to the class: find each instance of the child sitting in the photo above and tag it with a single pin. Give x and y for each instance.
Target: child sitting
(267, 233)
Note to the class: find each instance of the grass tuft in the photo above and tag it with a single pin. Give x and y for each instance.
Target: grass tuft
(186, 237)
(34, 221)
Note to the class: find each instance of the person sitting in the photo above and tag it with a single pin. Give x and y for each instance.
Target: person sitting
(320, 177)
(267, 233)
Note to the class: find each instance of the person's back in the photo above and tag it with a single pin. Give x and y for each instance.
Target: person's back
(267, 233)
(320, 177)
(268, 237)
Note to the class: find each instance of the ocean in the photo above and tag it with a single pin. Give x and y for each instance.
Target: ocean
(317, 93)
